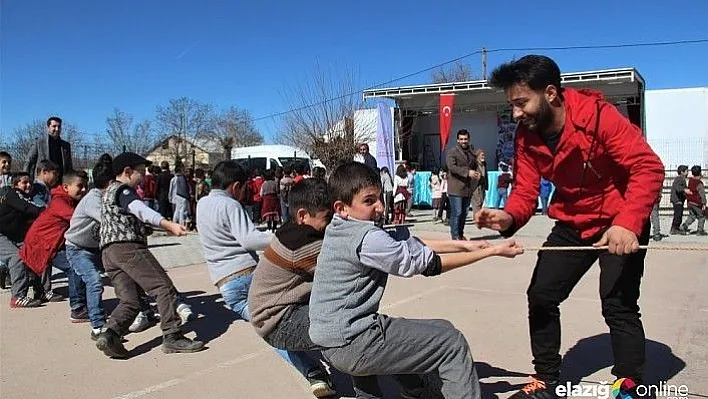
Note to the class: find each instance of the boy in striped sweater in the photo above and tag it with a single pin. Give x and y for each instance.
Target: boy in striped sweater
(279, 296)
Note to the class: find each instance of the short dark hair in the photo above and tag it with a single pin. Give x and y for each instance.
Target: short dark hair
(682, 169)
(350, 178)
(71, 175)
(310, 194)
(102, 172)
(16, 177)
(5, 155)
(535, 71)
(227, 173)
(47, 165)
(55, 119)
(696, 170)
(463, 132)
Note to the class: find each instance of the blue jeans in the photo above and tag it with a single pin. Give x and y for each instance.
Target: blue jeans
(85, 264)
(235, 294)
(503, 195)
(284, 215)
(459, 208)
(77, 289)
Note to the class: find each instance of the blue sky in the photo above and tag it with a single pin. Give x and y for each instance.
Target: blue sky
(79, 59)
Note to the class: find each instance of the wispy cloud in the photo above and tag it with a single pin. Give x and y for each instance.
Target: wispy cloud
(187, 50)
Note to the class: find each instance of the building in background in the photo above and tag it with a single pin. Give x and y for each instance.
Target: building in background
(197, 153)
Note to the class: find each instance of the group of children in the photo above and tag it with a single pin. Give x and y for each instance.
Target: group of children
(46, 225)
(313, 295)
(691, 191)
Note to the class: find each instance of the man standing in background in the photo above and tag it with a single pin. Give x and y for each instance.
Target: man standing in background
(50, 147)
(463, 179)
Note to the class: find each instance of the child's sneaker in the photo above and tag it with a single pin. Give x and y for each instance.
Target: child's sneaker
(24, 302)
(320, 384)
(141, 323)
(50, 296)
(109, 343)
(96, 332)
(185, 313)
(178, 343)
(79, 316)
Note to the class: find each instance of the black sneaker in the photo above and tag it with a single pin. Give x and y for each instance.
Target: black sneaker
(320, 384)
(3, 279)
(110, 344)
(96, 332)
(701, 233)
(657, 237)
(24, 302)
(538, 389)
(79, 316)
(178, 343)
(49, 297)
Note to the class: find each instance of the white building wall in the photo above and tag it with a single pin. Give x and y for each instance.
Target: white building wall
(677, 125)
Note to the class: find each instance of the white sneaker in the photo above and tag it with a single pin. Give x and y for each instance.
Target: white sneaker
(185, 313)
(141, 323)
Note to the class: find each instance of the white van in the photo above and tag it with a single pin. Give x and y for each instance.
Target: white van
(270, 157)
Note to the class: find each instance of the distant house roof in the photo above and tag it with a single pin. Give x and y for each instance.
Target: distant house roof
(207, 145)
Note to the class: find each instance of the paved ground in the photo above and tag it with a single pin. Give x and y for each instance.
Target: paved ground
(43, 355)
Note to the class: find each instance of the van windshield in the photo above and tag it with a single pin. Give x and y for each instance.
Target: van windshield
(291, 161)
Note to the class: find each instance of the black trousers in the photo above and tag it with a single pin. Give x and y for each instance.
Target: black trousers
(555, 276)
(678, 216)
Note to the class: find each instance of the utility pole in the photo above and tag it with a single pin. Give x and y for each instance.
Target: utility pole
(484, 63)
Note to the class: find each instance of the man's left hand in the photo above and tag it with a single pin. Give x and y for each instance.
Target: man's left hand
(619, 241)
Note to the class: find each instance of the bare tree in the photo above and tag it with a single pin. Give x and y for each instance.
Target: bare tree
(187, 120)
(234, 127)
(125, 135)
(323, 118)
(457, 72)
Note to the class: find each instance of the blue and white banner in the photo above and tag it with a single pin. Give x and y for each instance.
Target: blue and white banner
(385, 153)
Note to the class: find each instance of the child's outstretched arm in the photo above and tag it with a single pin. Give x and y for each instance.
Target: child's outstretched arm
(454, 246)
(451, 261)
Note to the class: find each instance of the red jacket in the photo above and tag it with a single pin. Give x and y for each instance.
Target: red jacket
(46, 235)
(620, 184)
(695, 197)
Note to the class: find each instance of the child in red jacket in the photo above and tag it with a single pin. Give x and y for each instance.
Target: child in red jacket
(44, 243)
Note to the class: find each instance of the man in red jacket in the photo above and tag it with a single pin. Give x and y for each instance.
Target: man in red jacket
(607, 179)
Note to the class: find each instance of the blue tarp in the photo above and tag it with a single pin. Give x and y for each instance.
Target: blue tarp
(423, 195)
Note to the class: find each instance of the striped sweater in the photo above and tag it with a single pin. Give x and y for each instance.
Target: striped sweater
(283, 277)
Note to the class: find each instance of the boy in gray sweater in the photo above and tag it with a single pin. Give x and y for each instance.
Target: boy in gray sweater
(354, 264)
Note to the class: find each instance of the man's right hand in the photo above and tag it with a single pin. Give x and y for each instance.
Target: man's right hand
(175, 229)
(474, 174)
(495, 219)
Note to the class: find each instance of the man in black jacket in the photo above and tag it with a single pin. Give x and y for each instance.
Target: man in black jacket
(50, 147)
(678, 197)
(163, 190)
(16, 214)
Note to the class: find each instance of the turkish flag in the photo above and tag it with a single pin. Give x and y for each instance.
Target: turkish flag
(447, 102)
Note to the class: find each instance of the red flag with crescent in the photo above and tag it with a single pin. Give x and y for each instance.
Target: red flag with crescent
(447, 102)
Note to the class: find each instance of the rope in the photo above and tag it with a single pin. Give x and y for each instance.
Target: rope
(647, 247)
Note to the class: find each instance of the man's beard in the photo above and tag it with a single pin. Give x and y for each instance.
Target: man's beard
(543, 119)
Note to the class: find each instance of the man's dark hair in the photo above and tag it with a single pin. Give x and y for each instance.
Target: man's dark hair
(682, 169)
(535, 71)
(46, 164)
(16, 177)
(165, 165)
(71, 175)
(696, 170)
(463, 132)
(102, 172)
(55, 119)
(5, 155)
(310, 194)
(350, 178)
(227, 173)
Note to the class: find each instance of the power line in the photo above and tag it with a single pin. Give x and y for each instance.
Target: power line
(559, 48)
